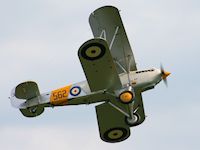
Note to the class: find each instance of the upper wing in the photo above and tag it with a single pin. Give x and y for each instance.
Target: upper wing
(106, 23)
(98, 65)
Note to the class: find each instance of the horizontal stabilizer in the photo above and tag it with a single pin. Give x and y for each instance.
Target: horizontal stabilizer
(27, 90)
(26, 97)
(32, 111)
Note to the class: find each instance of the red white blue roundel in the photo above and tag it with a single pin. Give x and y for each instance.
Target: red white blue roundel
(76, 90)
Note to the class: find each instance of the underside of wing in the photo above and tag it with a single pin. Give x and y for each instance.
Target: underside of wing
(112, 125)
(106, 23)
(138, 108)
(98, 65)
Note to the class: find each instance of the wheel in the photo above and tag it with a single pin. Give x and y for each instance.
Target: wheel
(126, 97)
(116, 135)
(33, 109)
(133, 121)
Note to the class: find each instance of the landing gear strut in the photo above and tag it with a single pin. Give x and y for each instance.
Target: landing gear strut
(134, 118)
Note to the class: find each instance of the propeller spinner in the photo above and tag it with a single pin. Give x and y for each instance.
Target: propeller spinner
(164, 74)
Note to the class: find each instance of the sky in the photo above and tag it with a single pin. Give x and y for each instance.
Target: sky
(39, 41)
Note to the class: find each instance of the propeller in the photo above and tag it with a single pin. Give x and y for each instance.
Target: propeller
(164, 74)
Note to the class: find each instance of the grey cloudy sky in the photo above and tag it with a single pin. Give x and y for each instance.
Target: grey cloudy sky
(39, 41)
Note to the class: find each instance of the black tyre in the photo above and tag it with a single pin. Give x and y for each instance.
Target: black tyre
(134, 121)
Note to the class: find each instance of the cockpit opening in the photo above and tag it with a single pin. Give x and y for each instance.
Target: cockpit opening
(142, 71)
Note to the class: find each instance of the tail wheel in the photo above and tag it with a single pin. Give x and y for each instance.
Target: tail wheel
(133, 121)
(32, 111)
(126, 97)
(116, 135)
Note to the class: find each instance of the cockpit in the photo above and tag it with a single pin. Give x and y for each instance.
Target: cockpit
(142, 71)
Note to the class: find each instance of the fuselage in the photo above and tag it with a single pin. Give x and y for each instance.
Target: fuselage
(141, 80)
(145, 79)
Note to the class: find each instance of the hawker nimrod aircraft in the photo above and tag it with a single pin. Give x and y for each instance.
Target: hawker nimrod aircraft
(113, 80)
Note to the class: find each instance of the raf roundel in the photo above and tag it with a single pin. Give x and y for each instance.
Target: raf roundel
(75, 91)
(93, 51)
(116, 134)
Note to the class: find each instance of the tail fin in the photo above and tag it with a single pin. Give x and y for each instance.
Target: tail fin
(25, 98)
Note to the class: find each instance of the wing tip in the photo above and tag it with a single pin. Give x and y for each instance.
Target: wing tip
(102, 9)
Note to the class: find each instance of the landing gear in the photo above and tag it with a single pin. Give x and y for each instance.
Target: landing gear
(133, 120)
(134, 117)
(32, 111)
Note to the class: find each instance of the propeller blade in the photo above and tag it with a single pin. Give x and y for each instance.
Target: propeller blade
(161, 68)
(164, 74)
(165, 81)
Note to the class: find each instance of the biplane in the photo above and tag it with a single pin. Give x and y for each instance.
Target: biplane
(113, 80)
